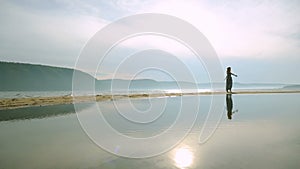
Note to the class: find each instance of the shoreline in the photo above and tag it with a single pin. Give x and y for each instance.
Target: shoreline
(15, 103)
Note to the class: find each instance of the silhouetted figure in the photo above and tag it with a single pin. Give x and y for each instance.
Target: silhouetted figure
(229, 79)
(229, 105)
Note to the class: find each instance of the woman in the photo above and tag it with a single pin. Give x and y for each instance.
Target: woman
(229, 79)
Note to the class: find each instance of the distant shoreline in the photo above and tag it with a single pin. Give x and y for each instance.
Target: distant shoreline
(14, 103)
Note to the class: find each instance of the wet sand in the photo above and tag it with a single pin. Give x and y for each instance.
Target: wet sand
(14, 103)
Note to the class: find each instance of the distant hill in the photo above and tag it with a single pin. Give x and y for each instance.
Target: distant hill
(28, 77)
(292, 87)
(142, 84)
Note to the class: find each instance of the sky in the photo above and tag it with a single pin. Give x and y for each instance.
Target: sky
(259, 39)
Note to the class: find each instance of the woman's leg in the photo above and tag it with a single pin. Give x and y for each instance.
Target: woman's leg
(228, 85)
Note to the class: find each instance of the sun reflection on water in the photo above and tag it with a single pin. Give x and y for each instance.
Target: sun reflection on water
(183, 157)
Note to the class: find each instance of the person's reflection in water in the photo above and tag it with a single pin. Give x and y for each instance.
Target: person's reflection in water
(229, 104)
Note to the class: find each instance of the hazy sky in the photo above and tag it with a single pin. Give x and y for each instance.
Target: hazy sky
(260, 40)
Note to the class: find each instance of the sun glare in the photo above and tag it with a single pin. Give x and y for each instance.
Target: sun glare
(183, 158)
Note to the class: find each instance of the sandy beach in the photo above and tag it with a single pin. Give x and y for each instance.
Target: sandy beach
(14, 103)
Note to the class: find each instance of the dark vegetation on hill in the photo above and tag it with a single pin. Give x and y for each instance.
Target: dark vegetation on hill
(28, 77)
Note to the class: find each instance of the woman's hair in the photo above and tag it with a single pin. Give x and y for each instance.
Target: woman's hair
(228, 69)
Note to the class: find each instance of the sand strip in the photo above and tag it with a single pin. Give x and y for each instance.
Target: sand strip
(45, 101)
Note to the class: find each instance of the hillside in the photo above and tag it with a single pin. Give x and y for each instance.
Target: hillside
(142, 84)
(28, 77)
(292, 87)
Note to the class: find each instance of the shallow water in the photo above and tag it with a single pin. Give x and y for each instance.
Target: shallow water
(263, 133)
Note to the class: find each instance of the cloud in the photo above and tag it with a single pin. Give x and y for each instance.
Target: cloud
(38, 31)
(240, 28)
(150, 41)
(54, 32)
(44, 36)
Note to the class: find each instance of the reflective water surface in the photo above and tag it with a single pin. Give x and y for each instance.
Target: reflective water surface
(256, 131)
